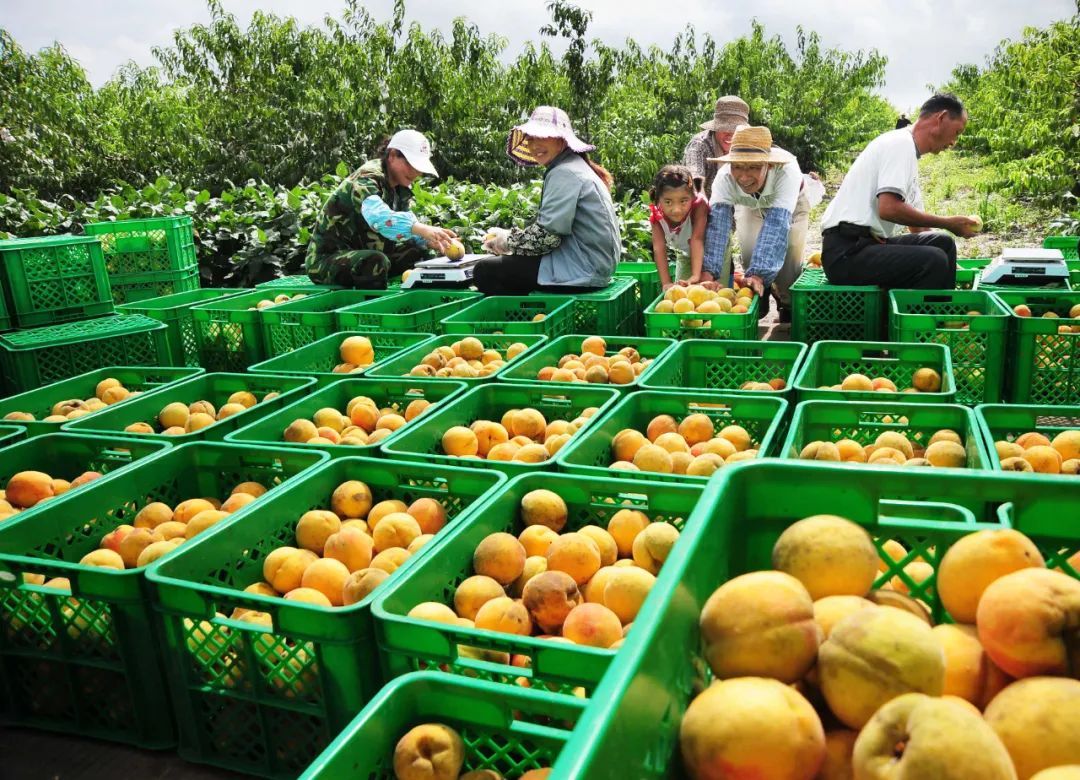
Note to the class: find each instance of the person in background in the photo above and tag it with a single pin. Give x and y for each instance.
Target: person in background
(574, 243)
(714, 140)
(678, 215)
(365, 232)
(903, 121)
(766, 182)
(881, 194)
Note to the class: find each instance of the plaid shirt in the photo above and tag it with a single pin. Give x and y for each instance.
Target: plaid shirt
(769, 251)
(695, 157)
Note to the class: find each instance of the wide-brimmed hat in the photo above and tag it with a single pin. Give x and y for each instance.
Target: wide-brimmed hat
(731, 111)
(751, 145)
(545, 122)
(416, 149)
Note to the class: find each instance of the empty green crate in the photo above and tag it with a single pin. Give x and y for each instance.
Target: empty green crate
(130, 288)
(1067, 244)
(175, 311)
(386, 393)
(423, 439)
(214, 388)
(863, 422)
(412, 311)
(32, 358)
(695, 325)
(648, 280)
(414, 644)
(611, 311)
(727, 365)
(822, 311)
(828, 363)
(549, 354)
(513, 314)
(505, 731)
(1044, 365)
(142, 246)
(54, 279)
(263, 699)
(761, 417)
(402, 363)
(229, 331)
(633, 719)
(93, 664)
(40, 402)
(321, 357)
(976, 342)
(295, 324)
(1001, 422)
(299, 280)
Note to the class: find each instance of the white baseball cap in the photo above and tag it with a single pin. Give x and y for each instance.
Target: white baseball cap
(416, 149)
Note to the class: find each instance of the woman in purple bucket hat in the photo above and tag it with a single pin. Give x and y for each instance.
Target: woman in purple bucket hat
(574, 243)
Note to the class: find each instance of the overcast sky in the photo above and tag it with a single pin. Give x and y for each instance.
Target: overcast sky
(923, 39)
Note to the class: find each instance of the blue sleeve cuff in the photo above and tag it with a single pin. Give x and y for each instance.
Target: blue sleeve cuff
(771, 247)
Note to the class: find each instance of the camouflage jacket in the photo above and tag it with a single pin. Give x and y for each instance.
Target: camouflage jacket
(341, 227)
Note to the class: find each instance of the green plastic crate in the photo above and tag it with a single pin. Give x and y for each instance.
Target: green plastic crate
(53, 279)
(299, 280)
(295, 324)
(1069, 245)
(32, 358)
(175, 311)
(394, 393)
(266, 701)
(694, 325)
(648, 280)
(215, 388)
(726, 365)
(1044, 365)
(412, 644)
(512, 315)
(413, 311)
(1001, 422)
(229, 330)
(611, 311)
(404, 361)
(864, 422)
(95, 667)
(507, 731)
(821, 311)
(131, 288)
(525, 369)
(829, 362)
(976, 343)
(318, 359)
(6, 321)
(40, 402)
(761, 416)
(423, 440)
(143, 246)
(9, 434)
(633, 719)
(968, 270)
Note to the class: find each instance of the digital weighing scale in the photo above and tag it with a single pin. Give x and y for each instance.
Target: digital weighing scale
(443, 272)
(1032, 266)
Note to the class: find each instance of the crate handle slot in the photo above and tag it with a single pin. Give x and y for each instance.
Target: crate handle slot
(1005, 514)
(904, 511)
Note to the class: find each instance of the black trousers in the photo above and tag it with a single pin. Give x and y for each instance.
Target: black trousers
(515, 275)
(921, 261)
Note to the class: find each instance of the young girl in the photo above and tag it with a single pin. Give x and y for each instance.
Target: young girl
(678, 214)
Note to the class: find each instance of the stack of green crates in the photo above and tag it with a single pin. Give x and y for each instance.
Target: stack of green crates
(295, 324)
(175, 311)
(822, 311)
(1044, 363)
(968, 270)
(648, 280)
(32, 358)
(1069, 246)
(612, 311)
(148, 258)
(513, 314)
(53, 279)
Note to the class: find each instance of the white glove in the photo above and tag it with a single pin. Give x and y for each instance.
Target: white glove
(497, 241)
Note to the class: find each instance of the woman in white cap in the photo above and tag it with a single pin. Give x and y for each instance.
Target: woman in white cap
(574, 243)
(365, 231)
(771, 191)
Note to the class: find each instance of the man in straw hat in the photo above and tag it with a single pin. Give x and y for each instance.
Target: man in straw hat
(765, 183)
(881, 194)
(714, 140)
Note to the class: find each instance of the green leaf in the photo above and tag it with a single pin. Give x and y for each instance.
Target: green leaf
(342, 170)
(202, 197)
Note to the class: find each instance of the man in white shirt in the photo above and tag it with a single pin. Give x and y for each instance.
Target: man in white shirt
(881, 194)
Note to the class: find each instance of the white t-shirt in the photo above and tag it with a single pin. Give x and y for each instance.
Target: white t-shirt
(889, 163)
(781, 186)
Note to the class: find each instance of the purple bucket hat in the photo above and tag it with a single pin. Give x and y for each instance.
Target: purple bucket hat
(545, 122)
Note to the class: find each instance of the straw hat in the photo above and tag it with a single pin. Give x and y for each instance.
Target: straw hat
(545, 122)
(752, 145)
(731, 111)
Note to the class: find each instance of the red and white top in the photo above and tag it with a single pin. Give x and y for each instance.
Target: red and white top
(677, 236)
